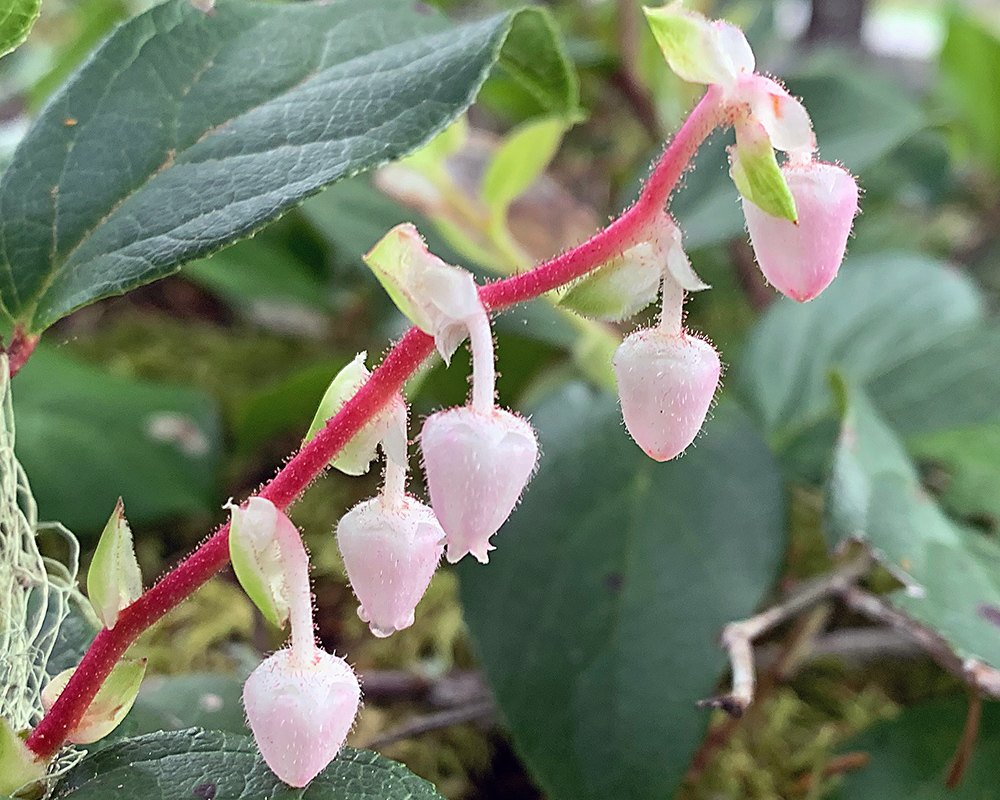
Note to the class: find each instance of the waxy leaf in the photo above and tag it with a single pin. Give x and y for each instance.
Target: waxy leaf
(109, 706)
(113, 579)
(16, 20)
(598, 616)
(186, 131)
(195, 763)
(949, 571)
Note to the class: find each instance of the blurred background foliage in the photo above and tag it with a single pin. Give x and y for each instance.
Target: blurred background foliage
(594, 627)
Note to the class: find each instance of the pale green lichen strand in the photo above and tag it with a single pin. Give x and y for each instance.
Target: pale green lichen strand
(35, 591)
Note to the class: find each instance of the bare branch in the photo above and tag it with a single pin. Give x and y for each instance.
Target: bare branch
(738, 637)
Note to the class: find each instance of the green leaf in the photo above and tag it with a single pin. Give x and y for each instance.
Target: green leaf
(17, 17)
(174, 702)
(256, 274)
(86, 437)
(281, 407)
(519, 161)
(196, 763)
(970, 69)
(944, 401)
(113, 578)
(597, 618)
(879, 312)
(174, 138)
(910, 756)
(950, 572)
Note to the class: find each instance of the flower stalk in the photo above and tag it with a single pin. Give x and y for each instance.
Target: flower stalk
(385, 382)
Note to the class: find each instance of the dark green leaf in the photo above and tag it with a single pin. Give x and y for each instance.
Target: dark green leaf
(85, 438)
(952, 574)
(910, 756)
(597, 618)
(196, 763)
(879, 312)
(286, 406)
(173, 702)
(257, 274)
(16, 19)
(970, 67)
(187, 131)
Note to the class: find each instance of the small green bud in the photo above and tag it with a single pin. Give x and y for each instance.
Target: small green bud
(114, 580)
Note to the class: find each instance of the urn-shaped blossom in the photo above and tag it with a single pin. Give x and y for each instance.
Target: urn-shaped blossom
(801, 258)
(300, 711)
(390, 553)
(666, 383)
(477, 463)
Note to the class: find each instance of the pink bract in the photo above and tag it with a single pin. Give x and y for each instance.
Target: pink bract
(300, 711)
(477, 464)
(666, 384)
(390, 554)
(801, 259)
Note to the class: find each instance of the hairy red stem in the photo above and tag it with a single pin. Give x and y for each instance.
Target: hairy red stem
(21, 348)
(110, 644)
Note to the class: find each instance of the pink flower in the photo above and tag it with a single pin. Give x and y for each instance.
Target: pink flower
(801, 258)
(666, 383)
(300, 711)
(477, 464)
(390, 553)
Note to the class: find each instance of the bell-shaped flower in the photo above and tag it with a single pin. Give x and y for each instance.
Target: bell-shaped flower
(300, 711)
(477, 464)
(666, 383)
(801, 258)
(390, 552)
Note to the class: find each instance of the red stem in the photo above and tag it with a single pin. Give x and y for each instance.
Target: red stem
(110, 644)
(21, 348)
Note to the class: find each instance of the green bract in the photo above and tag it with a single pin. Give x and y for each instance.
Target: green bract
(17, 764)
(256, 558)
(756, 173)
(109, 706)
(436, 296)
(114, 580)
